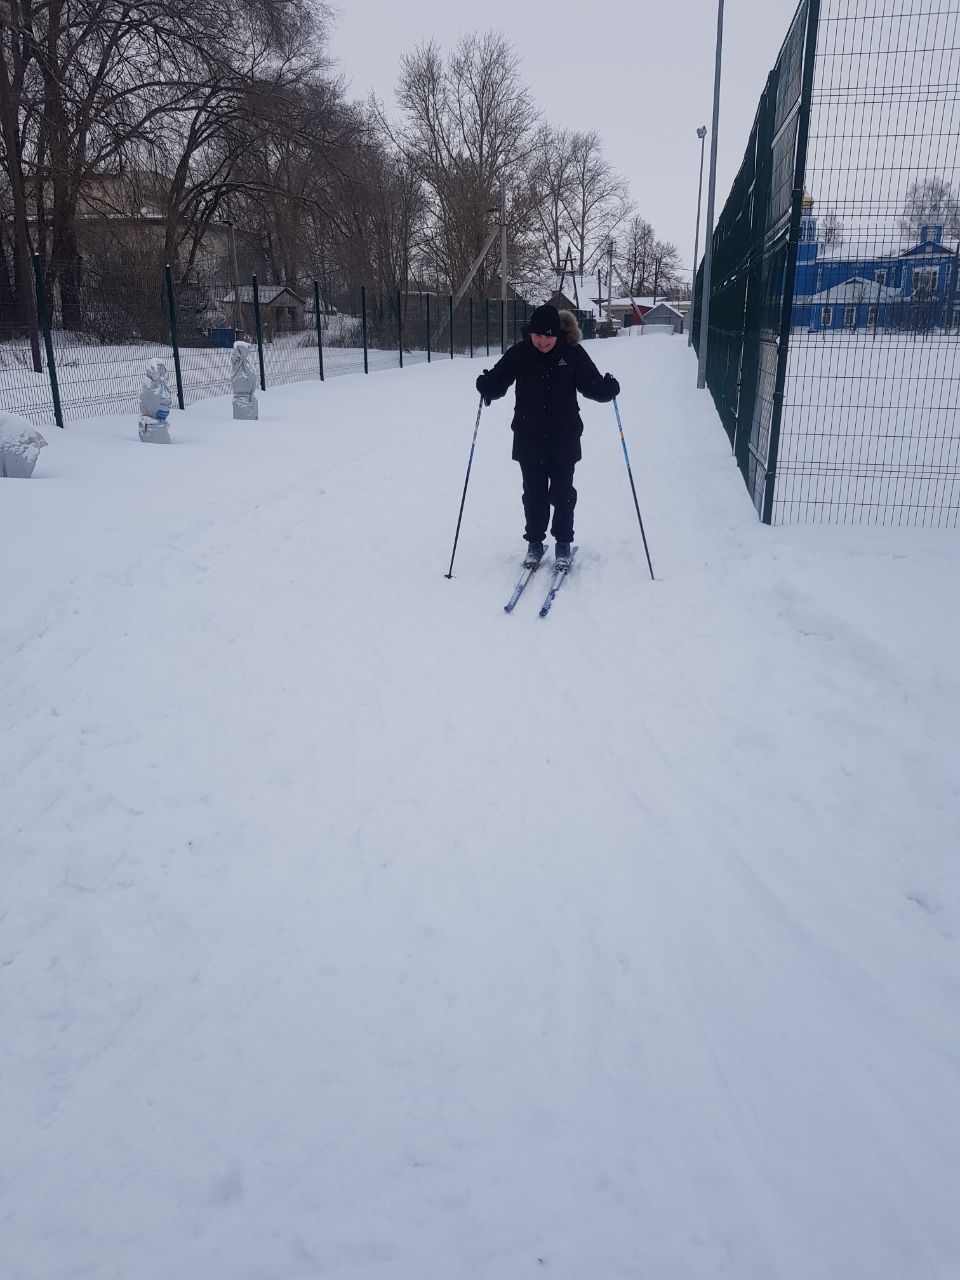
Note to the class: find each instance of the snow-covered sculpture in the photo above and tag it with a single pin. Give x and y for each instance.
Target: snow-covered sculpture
(155, 402)
(20, 445)
(244, 381)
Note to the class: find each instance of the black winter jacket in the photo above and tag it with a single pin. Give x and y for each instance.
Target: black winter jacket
(546, 420)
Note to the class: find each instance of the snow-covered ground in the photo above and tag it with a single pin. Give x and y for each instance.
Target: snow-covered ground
(353, 928)
(871, 429)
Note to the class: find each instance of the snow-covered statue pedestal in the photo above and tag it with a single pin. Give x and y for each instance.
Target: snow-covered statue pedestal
(20, 445)
(244, 382)
(155, 402)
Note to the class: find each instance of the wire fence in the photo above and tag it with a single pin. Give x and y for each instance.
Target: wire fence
(299, 330)
(834, 345)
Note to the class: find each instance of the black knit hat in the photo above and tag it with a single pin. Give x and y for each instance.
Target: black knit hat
(545, 321)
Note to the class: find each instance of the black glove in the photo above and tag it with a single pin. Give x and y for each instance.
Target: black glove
(483, 386)
(612, 385)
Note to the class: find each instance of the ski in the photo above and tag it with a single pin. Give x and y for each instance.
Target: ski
(519, 589)
(558, 577)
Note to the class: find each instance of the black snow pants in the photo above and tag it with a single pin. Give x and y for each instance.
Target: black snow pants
(548, 484)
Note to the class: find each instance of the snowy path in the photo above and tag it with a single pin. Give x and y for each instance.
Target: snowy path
(352, 928)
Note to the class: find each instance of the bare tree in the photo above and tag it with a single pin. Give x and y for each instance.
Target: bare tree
(301, 176)
(396, 207)
(830, 228)
(468, 127)
(666, 267)
(635, 257)
(552, 176)
(931, 200)
(599, 198)
(16, 53)
(106, 79)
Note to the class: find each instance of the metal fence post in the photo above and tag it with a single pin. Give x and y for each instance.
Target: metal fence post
(793, 240)
(486, 307)
(363, 321)
(316, 306)
(953, 278)
(259, 329)
(471, 327)
(450, 310)
(43, 319)
(428, 328)
(400, 327)
(172, 314)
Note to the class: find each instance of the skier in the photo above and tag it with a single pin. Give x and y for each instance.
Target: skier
(549, 367)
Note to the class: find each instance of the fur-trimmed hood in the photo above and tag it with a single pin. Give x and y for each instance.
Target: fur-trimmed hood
(569, 328)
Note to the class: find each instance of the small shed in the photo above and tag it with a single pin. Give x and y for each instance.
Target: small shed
(281, 310)
(663, 319)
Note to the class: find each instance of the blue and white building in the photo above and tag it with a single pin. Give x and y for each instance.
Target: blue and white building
(913, 286)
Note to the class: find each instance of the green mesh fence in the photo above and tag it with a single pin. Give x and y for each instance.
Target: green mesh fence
(300, 331)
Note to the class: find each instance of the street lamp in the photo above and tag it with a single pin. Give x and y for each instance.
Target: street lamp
(711, 197)
(701, 134)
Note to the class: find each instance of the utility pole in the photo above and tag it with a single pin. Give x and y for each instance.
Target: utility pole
(610, 280)
(503, 267)
(711, 197)
(701, 134)
(237, 309)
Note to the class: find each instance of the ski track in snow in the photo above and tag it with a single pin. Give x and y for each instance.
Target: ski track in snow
(352, 928)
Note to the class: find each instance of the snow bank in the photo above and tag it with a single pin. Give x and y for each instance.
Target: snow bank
(20, 445)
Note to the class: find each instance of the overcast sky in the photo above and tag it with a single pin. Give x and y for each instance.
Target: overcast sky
(640, 73)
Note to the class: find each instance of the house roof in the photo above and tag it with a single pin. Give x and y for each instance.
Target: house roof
(268, 293)
(872, 251)
(664, 306)
(586, 295)
(582, 289)
(857, 289)
(493, 291)
(931, 248)
(860, 251)
(644, 304)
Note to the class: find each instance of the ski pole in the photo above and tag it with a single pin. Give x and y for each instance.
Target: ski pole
(456, 536)
(616, 409)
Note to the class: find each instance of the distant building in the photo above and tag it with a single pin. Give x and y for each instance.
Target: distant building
(562, 302)
(627, 311)
(622, 311)
(881, 286)
(493, 293)
(663, 318)
(281, 310)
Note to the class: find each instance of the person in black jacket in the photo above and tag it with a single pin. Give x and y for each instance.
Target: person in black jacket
(549, 367)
